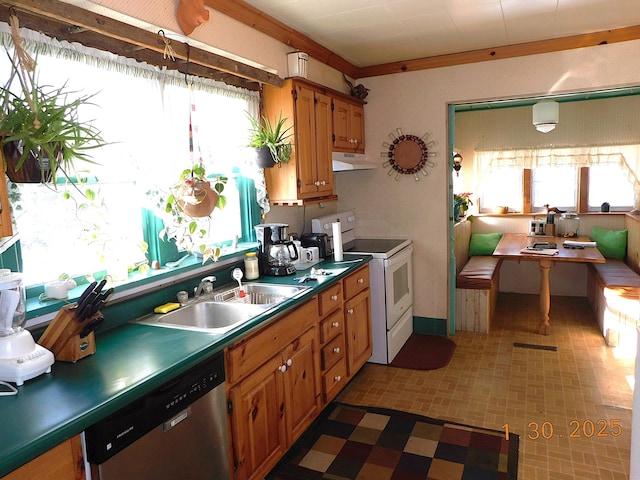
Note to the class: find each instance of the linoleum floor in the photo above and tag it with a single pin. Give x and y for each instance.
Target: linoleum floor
(570, 407)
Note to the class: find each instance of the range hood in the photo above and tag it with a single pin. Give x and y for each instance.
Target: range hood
(344, 162)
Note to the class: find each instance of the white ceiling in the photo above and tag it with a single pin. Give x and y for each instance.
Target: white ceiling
(373, 32)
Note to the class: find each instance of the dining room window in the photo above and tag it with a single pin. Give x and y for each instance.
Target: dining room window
(526, 180)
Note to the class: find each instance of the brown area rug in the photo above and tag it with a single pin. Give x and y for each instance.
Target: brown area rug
(358, 443)
(425, 352)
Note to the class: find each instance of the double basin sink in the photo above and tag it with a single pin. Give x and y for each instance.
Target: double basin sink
(226, 308)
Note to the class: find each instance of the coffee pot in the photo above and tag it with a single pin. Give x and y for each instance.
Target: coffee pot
(275, 252)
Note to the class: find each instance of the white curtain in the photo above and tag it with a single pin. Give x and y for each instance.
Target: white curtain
(161, 80)
(625, 156)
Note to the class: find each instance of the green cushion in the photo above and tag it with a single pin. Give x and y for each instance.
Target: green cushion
(611, 243)
(483, 243)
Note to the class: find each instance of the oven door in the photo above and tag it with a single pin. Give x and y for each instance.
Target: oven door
(398, 285)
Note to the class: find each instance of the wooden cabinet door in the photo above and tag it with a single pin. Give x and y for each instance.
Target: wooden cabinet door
(62, 462)
(324, 164)
(341, 125)
(302, 384)
(348, 126)
(356, 118)
(257, 421)
(357, 316)
(305, 141)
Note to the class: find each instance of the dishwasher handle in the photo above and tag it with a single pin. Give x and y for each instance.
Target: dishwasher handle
(176, 419)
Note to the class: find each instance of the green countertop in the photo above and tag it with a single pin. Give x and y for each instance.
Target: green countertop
(130, 361)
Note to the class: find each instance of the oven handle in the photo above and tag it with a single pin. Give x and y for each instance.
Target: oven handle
(399, 257)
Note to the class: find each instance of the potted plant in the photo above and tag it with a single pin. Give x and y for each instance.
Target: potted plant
(461, 203)
(187, 208)
(272, 141)
(40, 132)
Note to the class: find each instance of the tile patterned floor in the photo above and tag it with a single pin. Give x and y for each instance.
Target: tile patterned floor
(544, 396)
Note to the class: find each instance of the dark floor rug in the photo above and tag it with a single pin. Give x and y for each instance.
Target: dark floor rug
(366, 443)
(425, 352)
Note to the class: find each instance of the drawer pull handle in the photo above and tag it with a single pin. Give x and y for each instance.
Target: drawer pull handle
(334, 297)
(337, 378)
(289, 362)
(335, 324)
(336, 350)
(282, 368)
(361, 280)
(350, 311)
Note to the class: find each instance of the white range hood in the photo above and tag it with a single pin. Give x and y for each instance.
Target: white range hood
(344, 162)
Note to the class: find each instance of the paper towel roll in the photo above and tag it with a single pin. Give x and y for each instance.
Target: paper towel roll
(337, 241)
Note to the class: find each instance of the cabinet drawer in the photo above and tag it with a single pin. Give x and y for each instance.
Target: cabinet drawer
(334, 380)
(330, 300)
(332, 352)
(331, 326)
(356, 282)
(251, 352)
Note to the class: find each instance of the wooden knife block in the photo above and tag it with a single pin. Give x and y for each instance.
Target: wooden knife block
(62, 336)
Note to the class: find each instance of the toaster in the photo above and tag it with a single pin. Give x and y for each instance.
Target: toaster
(320, 240)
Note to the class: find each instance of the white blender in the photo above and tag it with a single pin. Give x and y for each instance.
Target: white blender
(21, 358)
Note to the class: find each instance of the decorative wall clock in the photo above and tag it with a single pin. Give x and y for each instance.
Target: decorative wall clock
(408, 154)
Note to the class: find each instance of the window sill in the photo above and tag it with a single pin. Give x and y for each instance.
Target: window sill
(40, 312)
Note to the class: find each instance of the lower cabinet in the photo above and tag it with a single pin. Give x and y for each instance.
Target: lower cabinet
(62, 462)
(357, 315)
(274, 404)
(280, 378)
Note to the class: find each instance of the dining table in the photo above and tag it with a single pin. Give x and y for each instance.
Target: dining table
(519, 246)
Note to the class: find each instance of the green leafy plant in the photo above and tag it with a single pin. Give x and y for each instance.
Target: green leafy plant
(194, 188)
(41, 124)
(273, 136)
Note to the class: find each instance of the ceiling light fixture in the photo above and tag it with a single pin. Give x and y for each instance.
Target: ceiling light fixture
(546, 115)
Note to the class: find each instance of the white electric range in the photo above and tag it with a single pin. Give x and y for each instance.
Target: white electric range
(391, 282)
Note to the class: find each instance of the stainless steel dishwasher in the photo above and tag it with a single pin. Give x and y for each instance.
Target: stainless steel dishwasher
(178, 431)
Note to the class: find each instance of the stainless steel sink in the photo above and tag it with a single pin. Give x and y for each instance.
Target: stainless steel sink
(212, 317)
(225, 309)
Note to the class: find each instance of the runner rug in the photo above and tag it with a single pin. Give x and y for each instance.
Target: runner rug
(366, 443)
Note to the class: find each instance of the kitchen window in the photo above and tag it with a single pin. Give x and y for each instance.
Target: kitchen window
(143, 112)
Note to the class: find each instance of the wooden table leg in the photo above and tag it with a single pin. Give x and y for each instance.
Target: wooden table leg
(545, 300)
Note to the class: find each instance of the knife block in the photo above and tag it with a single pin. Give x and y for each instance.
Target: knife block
(62, 336)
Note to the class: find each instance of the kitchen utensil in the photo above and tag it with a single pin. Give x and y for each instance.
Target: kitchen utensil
(237, 275)
(177, 262)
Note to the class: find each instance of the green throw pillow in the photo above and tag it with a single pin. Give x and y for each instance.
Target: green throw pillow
(611, 243)
(483, 243)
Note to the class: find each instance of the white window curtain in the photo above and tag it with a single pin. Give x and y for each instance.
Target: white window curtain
(626, 157)
(160, 80)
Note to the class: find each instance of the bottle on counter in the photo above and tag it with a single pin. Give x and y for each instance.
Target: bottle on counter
(251, 270)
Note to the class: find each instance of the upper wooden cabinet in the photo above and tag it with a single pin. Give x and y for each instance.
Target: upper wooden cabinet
(348, 126)
(308, 175)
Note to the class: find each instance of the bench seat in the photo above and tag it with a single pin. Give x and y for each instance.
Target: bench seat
(613, 289)
(477, 287)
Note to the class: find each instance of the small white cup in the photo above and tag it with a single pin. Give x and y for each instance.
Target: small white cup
(59, 288)
(312, 254)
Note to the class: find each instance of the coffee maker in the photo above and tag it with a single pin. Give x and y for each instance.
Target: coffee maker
(276, 253)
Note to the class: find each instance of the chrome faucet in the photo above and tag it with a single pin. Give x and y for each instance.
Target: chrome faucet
(205, 285)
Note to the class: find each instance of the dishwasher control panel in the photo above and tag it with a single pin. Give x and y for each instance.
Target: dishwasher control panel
(119, 430)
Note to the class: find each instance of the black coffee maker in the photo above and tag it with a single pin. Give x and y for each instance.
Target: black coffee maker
(275, 252)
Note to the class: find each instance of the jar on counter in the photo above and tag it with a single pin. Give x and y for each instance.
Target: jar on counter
(251, 270)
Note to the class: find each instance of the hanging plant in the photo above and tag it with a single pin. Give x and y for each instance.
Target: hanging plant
(41, 134)
(273, 139)
(187, 211)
